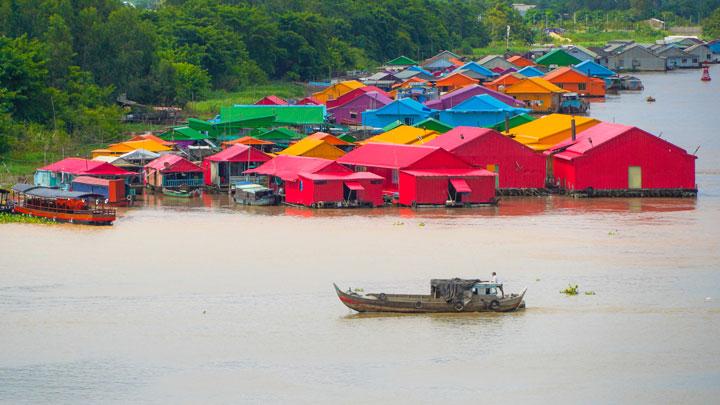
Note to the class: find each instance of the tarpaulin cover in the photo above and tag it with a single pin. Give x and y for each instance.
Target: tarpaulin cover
(451, 290)
(354, 185)
(460, 185)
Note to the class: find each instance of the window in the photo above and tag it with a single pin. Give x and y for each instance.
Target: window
(684, 60)
(353, 114)
(582, 86)
(395, 176)
(408, 121)
(301, 185)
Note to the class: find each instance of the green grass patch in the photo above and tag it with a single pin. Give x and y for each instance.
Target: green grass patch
(140, 127)
(6, 218)
(499, 48)
(211, 105)
(594, 38)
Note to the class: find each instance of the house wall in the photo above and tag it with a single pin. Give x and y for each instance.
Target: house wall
(636, 60)
(606, 167)
(475, 119)
(702, 53)
(591, 88)
(550, 101)
(358, 106)
(433, 190)
(378, 121)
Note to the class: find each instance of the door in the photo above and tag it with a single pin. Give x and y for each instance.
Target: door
(495, 169)
(634, 177)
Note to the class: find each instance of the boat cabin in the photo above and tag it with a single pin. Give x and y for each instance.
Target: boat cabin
(5, 205)
(60, 205)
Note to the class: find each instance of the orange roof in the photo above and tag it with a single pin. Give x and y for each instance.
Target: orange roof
(407, 82)
(150, 137)
(456, 80)
(566, 74)
(520, 61)
(331, 139)
(457, 62)
(506, 80)
(246, 140)
(533, 85)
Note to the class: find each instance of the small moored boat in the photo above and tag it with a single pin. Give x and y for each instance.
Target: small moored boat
(446, 295)
(62, 206)
(180, 192)
(253, 194)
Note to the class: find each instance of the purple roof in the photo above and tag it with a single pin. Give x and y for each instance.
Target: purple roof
(450, 100)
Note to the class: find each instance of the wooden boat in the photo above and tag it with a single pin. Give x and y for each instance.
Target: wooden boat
(62, 206)
(253, 194)
(181, 193)
(454, 295)
(650, 99)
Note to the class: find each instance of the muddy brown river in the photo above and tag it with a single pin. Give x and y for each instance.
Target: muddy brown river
(205, 302)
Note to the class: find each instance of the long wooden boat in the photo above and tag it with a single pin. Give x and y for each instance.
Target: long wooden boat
(181, 193)
(454, 295)
(62, 206)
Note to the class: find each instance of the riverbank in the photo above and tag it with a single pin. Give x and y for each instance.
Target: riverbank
(6, 218)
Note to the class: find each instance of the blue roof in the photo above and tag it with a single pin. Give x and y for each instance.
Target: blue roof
(531, 71)
(477, 68)
(595, 69)
(484, 102)
(419, 69)
(403, 106)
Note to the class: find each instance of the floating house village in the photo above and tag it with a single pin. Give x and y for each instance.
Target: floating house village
(446, 131)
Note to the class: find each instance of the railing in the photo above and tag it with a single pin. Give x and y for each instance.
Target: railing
(182, 182)
(93, 211)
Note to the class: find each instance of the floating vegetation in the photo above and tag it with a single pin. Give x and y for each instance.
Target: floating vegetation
(570, 290)
(6, 218)
(398, 223)
(589, 292)
(421, 224)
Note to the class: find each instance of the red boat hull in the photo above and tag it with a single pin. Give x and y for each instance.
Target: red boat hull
(76, 218)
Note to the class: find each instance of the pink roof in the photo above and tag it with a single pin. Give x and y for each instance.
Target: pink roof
(92, 180)
(394, 156)
(79, 166)
(342, 176)
(590, 139)
(456, 97)
(271, 100)
(288, 167)
(173, 164)
(239, 153)
(351, 95)
(458, 137)
(449, 172)
(309, 101)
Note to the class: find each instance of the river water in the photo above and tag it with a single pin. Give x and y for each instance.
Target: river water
(195, 302)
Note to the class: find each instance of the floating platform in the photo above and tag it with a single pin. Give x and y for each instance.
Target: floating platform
(644, 192)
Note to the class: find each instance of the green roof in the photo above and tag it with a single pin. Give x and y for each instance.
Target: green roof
(263, 115)
(434, 125)
(279, 134)
(183, 133)
(514, 122)
(391, 126)
(347, 138)
(557, 57)
(401, 61)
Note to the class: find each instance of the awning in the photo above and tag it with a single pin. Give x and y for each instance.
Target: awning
(460, 185)
(354, 185)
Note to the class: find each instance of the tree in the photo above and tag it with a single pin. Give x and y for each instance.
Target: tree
(60, 49)
(711, 25)
(23, 77)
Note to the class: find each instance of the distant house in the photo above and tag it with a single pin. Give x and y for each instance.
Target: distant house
(479, 111)
(580, 52)
(702, 52)
(520, 61)
(441, 61)
(594, 69)
(655, 23)
(280, 135)
(405, 110)
(432, 124)
(383, 80)
(415, 72)
(546, 132)
(399, 63)
(618, 157)
(223, 168)
(336, 90)
(516, 165)
(313, 147)
(454, 81)
(531, 71)
(353, 94)
(504, 81)
(675, 57)
(350, 113)
(172, 171)
(308, 101)
(557, 57)
(634, 57)
(493, 62)
(575, 81)
(456, 97)
(537, 93)
(271, 100)
(476, 71)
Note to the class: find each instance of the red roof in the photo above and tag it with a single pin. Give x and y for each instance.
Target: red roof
(394, 156)
(288, 167)
(351, 95)
(331, 139)
(271, 100)
(239, 153)
(79, 166)
(173, 164)
(309, 101)
(458, 137)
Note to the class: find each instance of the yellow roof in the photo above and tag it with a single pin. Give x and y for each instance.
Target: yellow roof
(426, 139)
(546, 132)
(316, 148)
(103, 152)
(533, 85)
(129, 146)
(403, 134)
(337, 90)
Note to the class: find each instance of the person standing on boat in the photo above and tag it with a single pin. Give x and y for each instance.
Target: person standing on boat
(494, 280)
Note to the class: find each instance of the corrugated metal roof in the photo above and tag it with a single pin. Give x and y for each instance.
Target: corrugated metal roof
(386, 155)
(311, 147)
(173, 164)
(533, 85)
(239, 153)
(402, 134)
(78, 166)
(288, 167)
(545, 132)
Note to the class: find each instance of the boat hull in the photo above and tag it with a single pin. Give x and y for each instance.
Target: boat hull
(419, 304)
(180, 194)
(88, 218)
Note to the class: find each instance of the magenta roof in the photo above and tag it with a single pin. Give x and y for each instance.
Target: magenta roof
(450, 100)
(458, 136)
(173, 164)
(380, 98)
(353, 94)
(342, 176)
(386, 155)
(288, 167)
(449, 172)
(79, 166)
(239, 153)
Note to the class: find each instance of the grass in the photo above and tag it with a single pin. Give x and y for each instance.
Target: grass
(211, 105)
(140, 127)
(6, 218)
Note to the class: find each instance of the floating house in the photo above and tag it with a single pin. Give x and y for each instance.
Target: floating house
(557, 57)
(504, 81)
(432, 124)
(309, 101)
(349, 96)
(112, 189)
(479, 111)
(254, 116)
(271, 100)
(406, 110)
(610, 157)
(572, 80)
(714, 47)
(675, 57)
(513, 122)
(546, 132)
(496, 63)
(60, 174)
(702, 52)
(183, 136)
(321, 183)
(423, 175)
(121, 148)
(279, 136)
(336, 90)
(456, 97)
(520, 61)
(633, 57)
(454, 81)
(594, 69)
(580, 52)
(310, 147)
(516, 165)
(402, 135)
(531, 71)
(173, 171)
(477, 71)
(399, 63)
(537, 93)
(350, 113)
(259, 144)
(226, 167)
